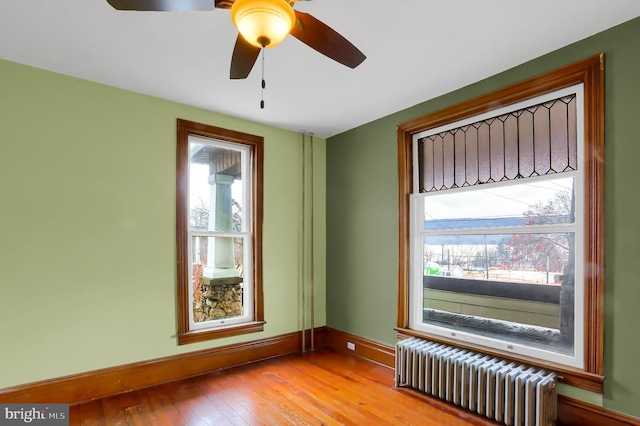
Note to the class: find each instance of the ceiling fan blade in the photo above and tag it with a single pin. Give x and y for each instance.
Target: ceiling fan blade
(244, 56)
(163, 5)
(325, 40)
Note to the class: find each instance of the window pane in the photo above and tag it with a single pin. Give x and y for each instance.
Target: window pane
(534, 141)
(217, 277)
(215, 188)
(531, 203)
(516, 258)
(517, 288)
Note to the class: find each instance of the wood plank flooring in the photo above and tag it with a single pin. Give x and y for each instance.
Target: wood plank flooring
(317, 388)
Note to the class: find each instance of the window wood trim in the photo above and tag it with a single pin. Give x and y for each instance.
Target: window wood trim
(590, 72)
(184, 130)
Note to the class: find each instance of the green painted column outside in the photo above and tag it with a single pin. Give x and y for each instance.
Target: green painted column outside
(220, 250)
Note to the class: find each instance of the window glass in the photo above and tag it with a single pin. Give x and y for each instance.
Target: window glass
(526, 202)
(216, 198)
(532, 140)
(217, 278)
(496, 241)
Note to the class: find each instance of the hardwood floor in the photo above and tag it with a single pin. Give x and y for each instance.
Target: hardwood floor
(317, 388)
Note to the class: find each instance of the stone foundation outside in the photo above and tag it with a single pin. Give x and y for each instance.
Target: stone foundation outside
(216, 298)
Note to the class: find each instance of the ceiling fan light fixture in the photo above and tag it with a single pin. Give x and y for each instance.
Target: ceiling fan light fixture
(263, 23)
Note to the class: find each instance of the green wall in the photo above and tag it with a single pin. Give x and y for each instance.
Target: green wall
(362, 213)
(87, 226)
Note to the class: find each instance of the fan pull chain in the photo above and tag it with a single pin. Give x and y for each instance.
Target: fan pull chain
(264, 84)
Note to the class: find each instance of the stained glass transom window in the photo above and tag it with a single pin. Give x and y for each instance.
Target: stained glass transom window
(533, 141)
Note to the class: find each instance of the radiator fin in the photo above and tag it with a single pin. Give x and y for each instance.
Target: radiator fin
(508, 392)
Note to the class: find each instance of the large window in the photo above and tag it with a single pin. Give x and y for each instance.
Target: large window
(501, 223)
(219, 205)
(494, 228)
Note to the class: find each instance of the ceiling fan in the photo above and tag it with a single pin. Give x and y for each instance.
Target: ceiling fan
(261, 23)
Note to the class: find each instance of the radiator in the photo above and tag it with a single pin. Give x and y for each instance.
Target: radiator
(504, 391)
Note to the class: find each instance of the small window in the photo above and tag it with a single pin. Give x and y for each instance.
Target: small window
(219, 230)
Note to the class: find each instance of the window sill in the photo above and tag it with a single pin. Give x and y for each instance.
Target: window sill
(567, 375)
(220, 332)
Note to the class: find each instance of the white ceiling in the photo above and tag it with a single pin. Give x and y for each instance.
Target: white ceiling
(416, 50)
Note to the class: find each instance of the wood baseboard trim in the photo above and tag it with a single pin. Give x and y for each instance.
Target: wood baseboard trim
(365, 348)
(570, 411)
(83, 387)
(575, 412)
(101, 383)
